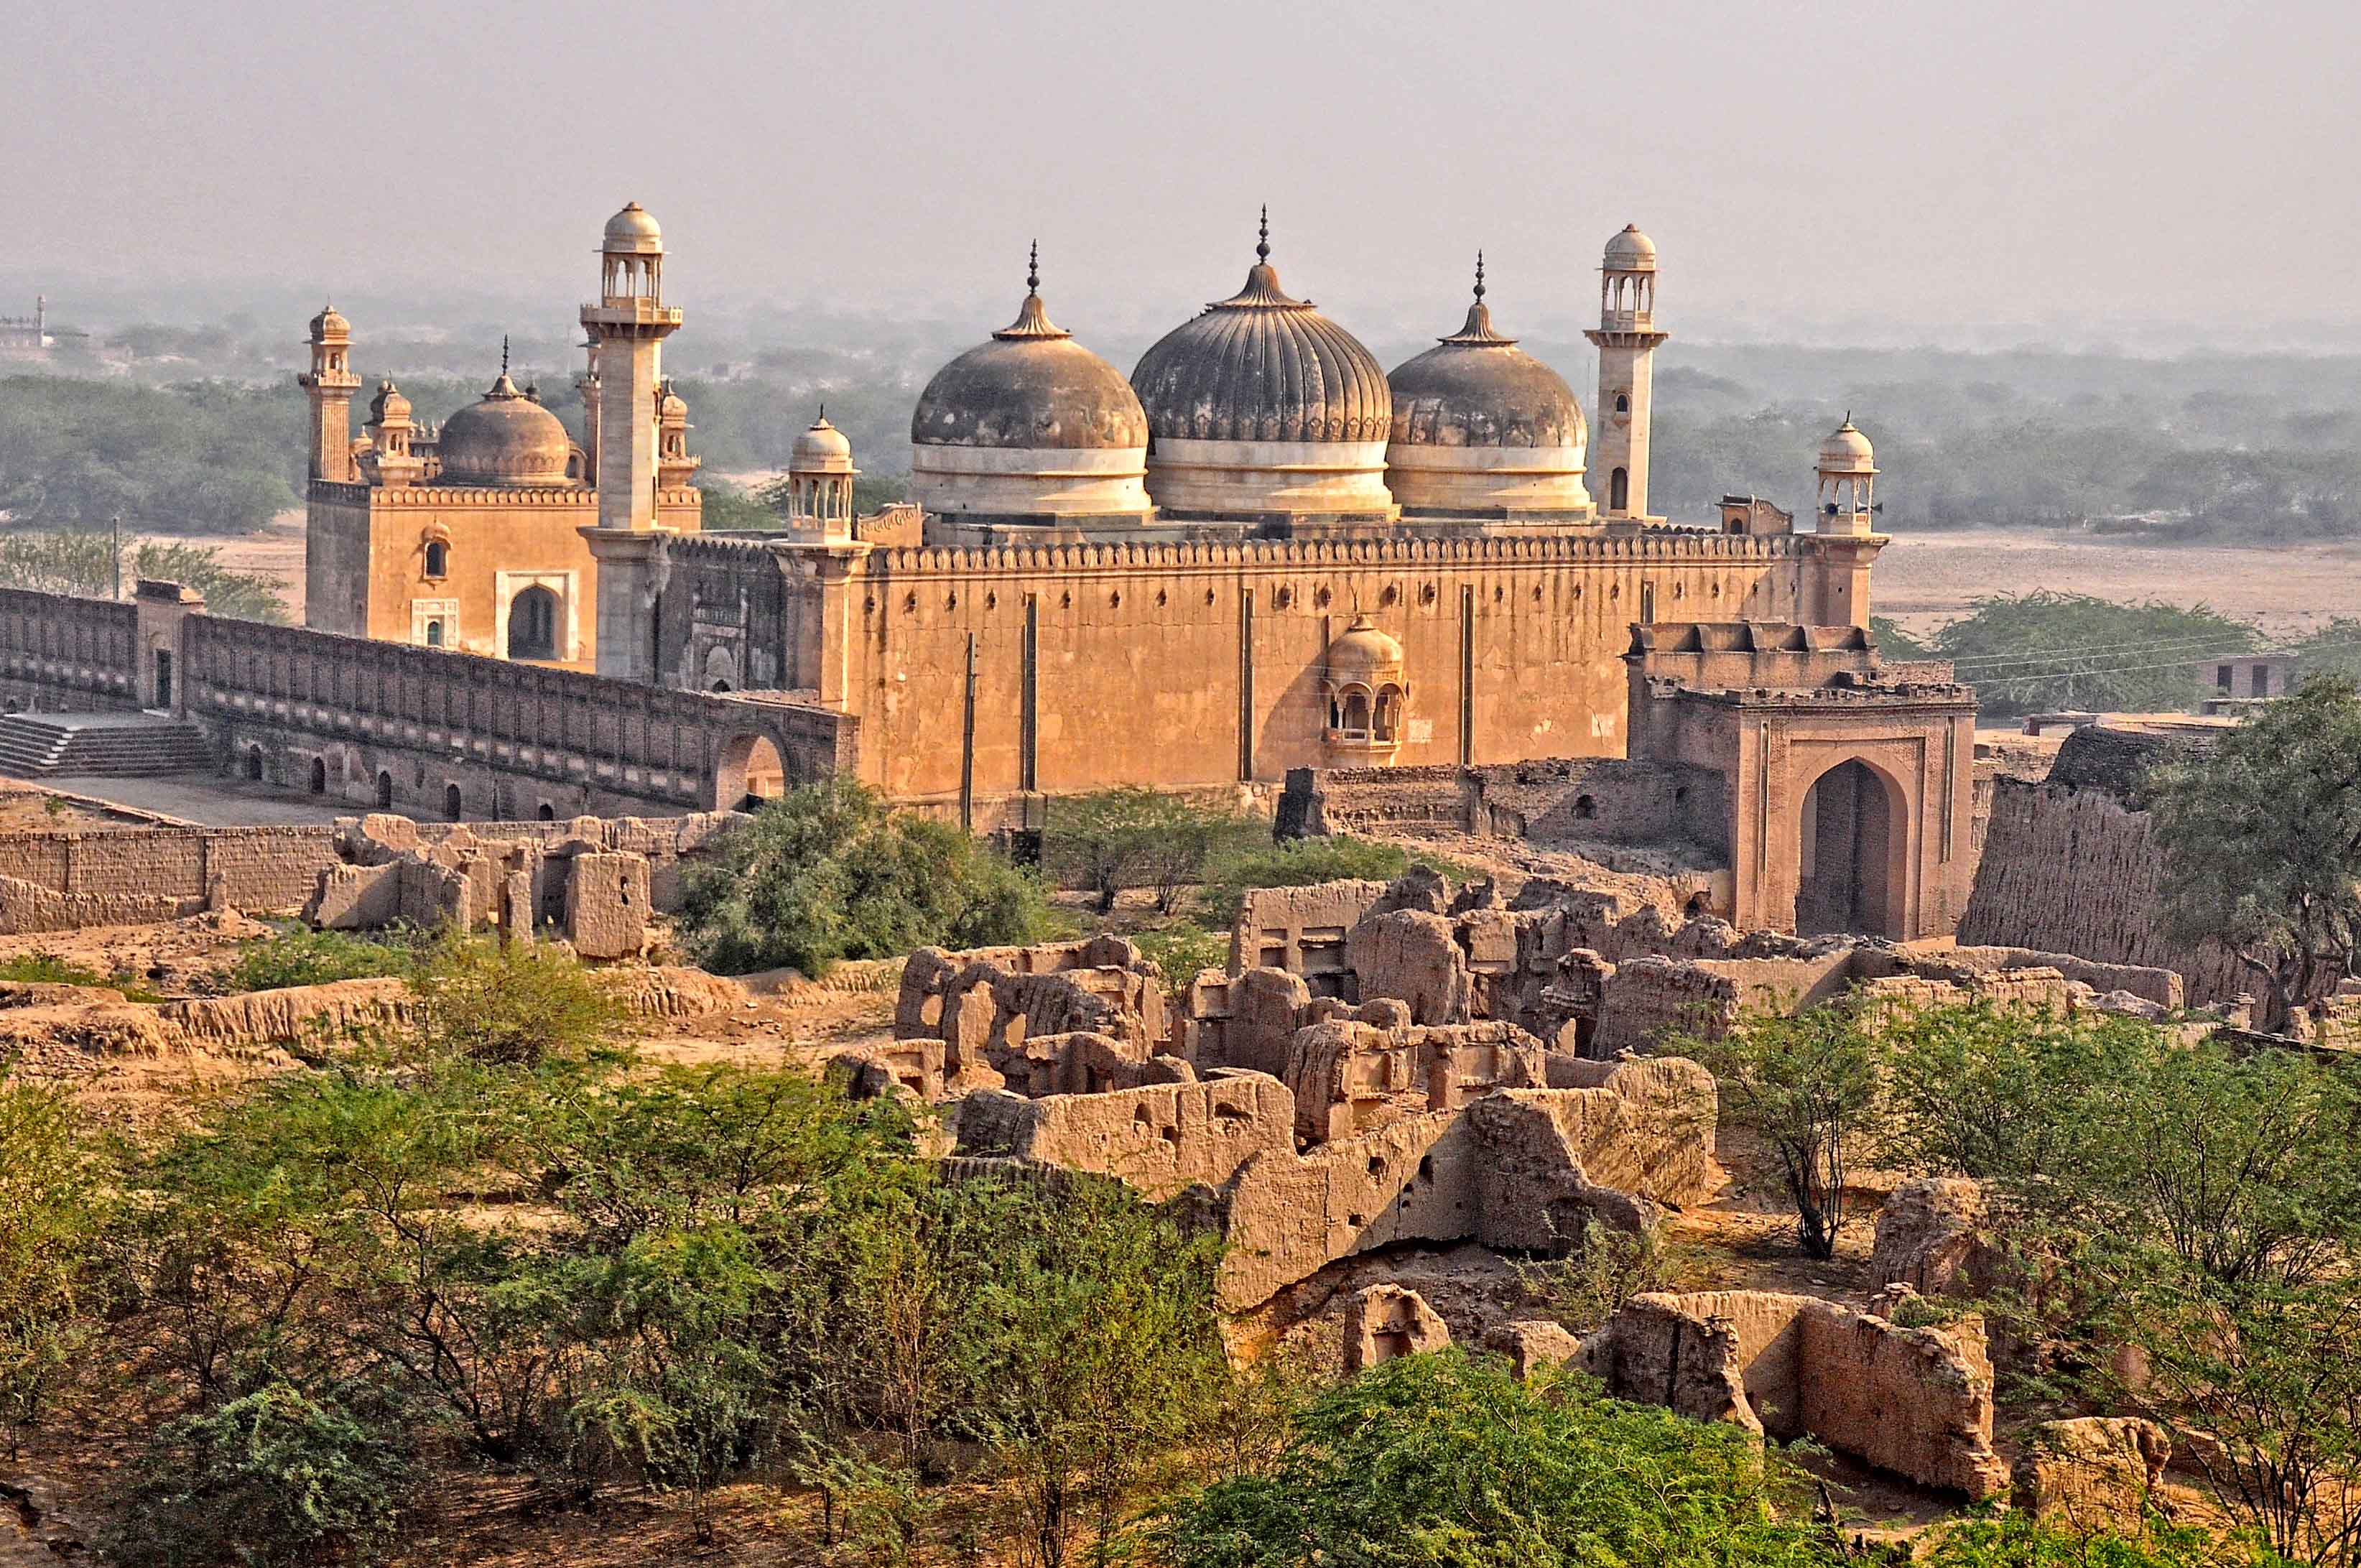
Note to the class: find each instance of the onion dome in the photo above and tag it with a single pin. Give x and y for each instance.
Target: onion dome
(1363, 653)
(1029, 386)
(505, 440)
(632, 232)
(1630, 251)
(822, 449)
(1847, 451)
(1260, 366)
(1477, 388)
(330, 326)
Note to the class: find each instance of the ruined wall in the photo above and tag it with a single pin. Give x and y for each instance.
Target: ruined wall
(1915, 1401)
(265, 869)
(1610, 799)
(2074, 871)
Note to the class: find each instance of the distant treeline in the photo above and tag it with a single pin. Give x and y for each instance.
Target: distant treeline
(2198, 447)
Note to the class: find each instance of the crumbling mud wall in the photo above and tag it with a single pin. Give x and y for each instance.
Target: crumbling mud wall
(963, 1021)
(260, 870)
(2077, 871)
(27, 908)
(1918, 1403)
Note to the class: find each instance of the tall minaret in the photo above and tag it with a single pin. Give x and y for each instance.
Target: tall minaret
(1627, 339)
(330, 384)
(627, 328)
(624, 392)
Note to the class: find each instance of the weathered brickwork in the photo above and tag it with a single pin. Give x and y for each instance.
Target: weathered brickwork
(258, 869)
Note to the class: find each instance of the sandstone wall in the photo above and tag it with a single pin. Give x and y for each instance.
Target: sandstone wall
(2074, 870)
(265, 869)
(1161, 1139)
(1918, 1403)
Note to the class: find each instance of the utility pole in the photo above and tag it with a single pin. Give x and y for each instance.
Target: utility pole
(118, 555)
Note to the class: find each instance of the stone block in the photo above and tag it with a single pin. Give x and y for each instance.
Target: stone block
(1384, 1322)
(607, 904)
(2092, 1474)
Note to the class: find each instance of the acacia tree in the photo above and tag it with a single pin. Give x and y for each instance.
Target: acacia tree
(1807, 1085)
(2262, 844)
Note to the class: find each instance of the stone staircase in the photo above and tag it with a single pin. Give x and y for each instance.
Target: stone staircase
(41, 745)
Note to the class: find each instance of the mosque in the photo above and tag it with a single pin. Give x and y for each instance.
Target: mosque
(1257, 554)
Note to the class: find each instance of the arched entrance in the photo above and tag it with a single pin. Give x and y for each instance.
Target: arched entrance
(1619, 490)
(253, 763)
(453, 806)
(1854, 841)
(748, 774)
(385, 792)
(319, 776)
(532, 624)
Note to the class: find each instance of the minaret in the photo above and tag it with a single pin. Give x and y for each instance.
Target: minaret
(627, 328)
(330, 384)
(1847, 537)
(1627, 339)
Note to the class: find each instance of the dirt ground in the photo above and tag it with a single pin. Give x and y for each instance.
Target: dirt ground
(1930, 576)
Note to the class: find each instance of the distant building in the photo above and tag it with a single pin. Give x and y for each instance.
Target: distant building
(33, 336)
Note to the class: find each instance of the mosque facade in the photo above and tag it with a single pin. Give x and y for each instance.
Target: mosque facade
(1258, 553)
(470, 536)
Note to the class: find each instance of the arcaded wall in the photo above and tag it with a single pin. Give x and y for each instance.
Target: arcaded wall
(62, 653)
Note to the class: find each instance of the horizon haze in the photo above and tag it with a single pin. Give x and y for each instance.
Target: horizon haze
(1813, 172)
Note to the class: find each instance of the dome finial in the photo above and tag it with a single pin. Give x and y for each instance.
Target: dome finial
(823, 414)
(504, 354)
(1032, 270)
(1479, 275)
(1262, 241)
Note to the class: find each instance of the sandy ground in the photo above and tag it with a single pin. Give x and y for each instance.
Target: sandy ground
(276, 552)
(1928, 578)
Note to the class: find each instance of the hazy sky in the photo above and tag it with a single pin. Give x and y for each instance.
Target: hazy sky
(1801, 165)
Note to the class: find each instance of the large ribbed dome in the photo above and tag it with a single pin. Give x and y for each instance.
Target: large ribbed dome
(506, 439)
(1477, 388)
(1030, 387)
(1261, 366)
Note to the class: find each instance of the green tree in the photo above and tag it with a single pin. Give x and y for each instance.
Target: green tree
(1999, 1093)
(1118, 838)
(1447, 1460)
(2044, 651)
(2262, 844)
(1101, 1352)
(830, 871)
(1807, 1086)
(58, 1202)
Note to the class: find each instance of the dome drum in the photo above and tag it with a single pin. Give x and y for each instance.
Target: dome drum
(1041, 484)
(1270, 481)
(1504, 484)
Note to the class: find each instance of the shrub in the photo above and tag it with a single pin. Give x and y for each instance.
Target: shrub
(270, 1478)
(1606, 1269)
(1448, 1461)
(831, 871)
(515, 1002)
(299, 957)
(55, 1208)
(2019, 1540)
(1120, 839)
(1182, 949)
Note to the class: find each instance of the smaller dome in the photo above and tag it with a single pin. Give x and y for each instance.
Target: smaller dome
(632, 232)
(1477, 388)
(822, 449)
(389, 407)
(505, 440)
(1364, 650)
(1630, 251)
(1847, 451)
(330, 326)
(670, 408)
